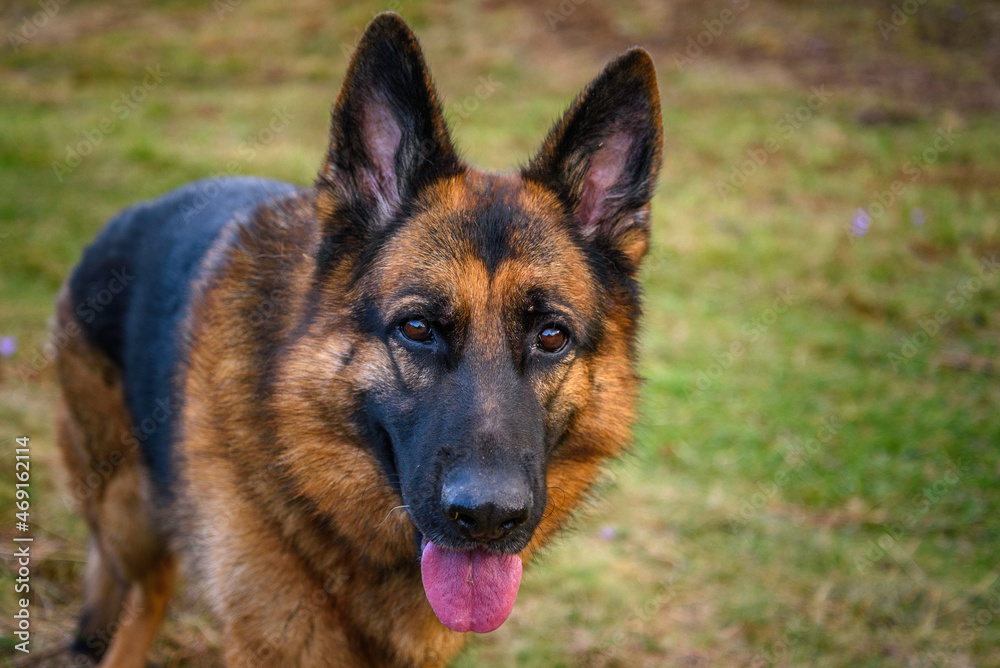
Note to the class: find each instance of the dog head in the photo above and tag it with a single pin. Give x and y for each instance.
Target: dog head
(490, 361)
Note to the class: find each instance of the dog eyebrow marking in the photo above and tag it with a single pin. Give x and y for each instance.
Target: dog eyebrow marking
(418, 302)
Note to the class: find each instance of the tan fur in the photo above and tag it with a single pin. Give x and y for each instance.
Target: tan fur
(303, 573)
(327, 577)
(106, 481)
(243, 518)
(283, 515)
(143, 613)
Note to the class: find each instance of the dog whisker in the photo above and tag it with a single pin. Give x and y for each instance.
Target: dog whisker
(390, 513)
(552, 501)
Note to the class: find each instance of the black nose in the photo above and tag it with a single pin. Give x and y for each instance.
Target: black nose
(486, 505)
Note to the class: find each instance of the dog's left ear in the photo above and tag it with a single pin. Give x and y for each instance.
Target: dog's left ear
(603, 156)
(388, 136)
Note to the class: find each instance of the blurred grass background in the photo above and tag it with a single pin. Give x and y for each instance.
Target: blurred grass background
(814, 480)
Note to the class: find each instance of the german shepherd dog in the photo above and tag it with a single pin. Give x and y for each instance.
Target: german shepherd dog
(352, 411)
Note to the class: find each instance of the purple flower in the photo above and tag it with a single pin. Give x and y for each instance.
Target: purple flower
(859, 226)
(607, 533)
(8, 346)
(918, 217)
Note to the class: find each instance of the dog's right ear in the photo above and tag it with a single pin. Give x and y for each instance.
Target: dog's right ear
(388, 138)
(602, 158)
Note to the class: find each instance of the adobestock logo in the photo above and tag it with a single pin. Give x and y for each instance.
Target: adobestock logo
(30, 26)
(930, 326)
(120, 109)
(696, 44)
(785, 128)
(751, 332)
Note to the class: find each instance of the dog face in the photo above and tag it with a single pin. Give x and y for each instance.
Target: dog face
(483, 324)
(485, 310)
(482, 299)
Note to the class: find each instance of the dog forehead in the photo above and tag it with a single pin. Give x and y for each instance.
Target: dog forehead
(478, 236)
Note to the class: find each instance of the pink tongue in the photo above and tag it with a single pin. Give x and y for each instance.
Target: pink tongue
(470, 590)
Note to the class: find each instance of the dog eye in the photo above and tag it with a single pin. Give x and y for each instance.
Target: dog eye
(417, 329)
(552, 339)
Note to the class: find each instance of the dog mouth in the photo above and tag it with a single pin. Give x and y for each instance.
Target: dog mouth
(469, 589)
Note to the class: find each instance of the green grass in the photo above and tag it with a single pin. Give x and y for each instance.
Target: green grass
(728, 537)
